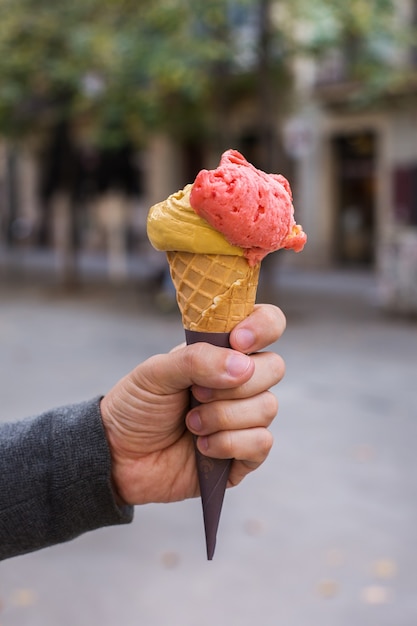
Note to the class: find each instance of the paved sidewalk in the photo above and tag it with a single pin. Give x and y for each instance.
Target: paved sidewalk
(322, 535)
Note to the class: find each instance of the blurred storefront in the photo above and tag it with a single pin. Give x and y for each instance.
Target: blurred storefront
(64, 199)
(356, 173)
(354, 181)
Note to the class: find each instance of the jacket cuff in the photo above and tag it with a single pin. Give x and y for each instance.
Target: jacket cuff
(55, 479)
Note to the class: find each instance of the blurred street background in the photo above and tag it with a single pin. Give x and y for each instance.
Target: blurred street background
(322, 534)
(107, 108)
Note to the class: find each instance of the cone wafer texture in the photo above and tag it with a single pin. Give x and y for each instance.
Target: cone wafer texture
(214, 291)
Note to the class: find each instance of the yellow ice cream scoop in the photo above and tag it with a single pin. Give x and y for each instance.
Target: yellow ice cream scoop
(174, 225)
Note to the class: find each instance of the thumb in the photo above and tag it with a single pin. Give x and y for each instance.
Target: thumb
(197, 364)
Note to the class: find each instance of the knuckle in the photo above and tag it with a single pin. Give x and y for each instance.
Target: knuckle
(221, 445)
(278, 366)
(194, 354)
(197, 356)
(270, 405)
(218, 416)
(229, 444)
(265, 444)
(272, 367)
(282, 320)
(276, 319)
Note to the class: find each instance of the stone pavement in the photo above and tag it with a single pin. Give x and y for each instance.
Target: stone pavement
(324, 534)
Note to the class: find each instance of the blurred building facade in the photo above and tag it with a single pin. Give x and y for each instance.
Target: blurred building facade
(356, 172)
(353, 172)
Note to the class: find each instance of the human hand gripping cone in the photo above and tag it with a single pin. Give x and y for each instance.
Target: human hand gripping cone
(216, 233)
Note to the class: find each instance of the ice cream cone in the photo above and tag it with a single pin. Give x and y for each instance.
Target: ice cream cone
(214, 293)
(216, 231)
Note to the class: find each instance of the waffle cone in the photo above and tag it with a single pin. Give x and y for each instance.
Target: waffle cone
(214, 291)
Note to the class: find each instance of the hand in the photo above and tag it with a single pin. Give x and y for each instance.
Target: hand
(151, 443)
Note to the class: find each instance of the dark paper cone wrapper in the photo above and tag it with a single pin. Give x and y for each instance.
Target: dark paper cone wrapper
(212, 473)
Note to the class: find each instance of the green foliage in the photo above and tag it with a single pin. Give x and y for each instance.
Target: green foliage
(368, 33)
(119, 68)
(118, 63)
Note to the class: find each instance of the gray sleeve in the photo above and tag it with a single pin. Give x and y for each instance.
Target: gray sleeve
(55, 479)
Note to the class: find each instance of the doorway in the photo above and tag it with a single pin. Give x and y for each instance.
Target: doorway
(355, 198)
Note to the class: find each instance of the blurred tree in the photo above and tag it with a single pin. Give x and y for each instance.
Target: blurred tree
(371, 39)
(123, 68)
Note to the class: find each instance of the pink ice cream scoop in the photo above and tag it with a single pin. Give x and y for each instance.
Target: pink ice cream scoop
(252, 209)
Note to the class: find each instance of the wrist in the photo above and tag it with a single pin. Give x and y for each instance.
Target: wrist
(108, 431)
(116, 495)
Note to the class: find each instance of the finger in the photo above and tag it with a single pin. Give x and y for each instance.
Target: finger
(269, 371)
(226, 415)
(238, 471)
(251, 445)
(201, 364)
(262, 328)
(179, 347)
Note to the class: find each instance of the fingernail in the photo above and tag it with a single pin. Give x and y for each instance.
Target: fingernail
(237, 364)
(203, 394)
(194, 421)
(245, 339)
(203, 444)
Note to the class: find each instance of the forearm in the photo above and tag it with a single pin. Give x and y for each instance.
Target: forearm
(55, 479)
